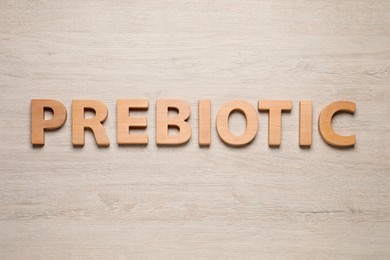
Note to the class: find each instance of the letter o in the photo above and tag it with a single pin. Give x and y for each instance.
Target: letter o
(252, 122)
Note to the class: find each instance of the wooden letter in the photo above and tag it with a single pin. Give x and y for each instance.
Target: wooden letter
(80, 123)
(325, 124)
(204, 126)
(275, 108)
(251, 117)
(38, 122)
(164, 121)
(305, 123)
(126, 123)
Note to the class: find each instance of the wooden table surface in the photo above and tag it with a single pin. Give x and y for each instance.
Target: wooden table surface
(187, 202)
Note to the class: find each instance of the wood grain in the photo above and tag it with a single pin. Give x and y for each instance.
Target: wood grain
(187, 202)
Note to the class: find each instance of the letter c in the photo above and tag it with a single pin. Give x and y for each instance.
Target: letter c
(325, 124)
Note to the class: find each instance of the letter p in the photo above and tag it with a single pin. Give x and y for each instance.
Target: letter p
(38, 122)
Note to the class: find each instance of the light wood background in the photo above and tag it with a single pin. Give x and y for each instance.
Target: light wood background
(59, 202)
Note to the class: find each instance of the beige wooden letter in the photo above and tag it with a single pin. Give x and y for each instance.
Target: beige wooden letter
(325, 124)
(305, 123)
(275, 108)
(164, 121)
(204, 126)
(38, 122)
(252, 122)
(80, 123)
(126, 123)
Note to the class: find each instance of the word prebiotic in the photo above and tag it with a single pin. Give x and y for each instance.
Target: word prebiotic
(126, 122)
